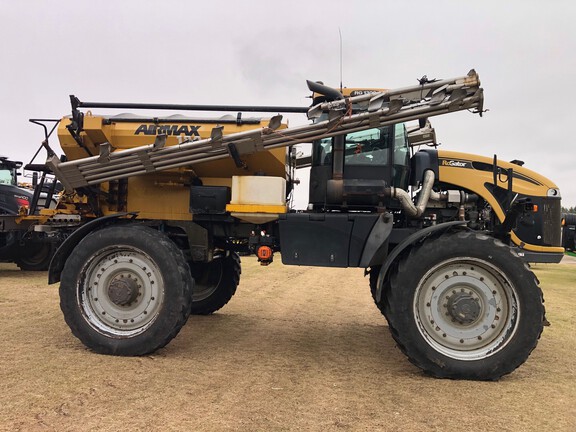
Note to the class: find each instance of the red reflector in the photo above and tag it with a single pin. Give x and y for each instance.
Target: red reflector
(22, 202)
(535, 208)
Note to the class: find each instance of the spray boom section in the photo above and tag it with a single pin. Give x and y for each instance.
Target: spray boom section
(372, 110)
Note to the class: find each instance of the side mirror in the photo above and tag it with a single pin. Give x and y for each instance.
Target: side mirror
(422, 135)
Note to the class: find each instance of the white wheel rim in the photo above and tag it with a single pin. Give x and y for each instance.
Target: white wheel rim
(122, 291)
(466, 308)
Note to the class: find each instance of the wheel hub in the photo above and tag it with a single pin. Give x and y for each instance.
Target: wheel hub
(463, 307)
(123, 291)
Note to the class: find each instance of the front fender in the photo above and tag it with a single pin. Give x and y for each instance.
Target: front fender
(408, 241)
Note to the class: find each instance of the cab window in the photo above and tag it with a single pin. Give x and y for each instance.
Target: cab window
(369, 147)
(5, 176)
(400, 170)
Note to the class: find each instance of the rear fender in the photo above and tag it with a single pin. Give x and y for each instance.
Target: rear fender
(63, 252)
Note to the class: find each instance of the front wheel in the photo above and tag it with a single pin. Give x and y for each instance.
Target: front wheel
(464, 305)
(125, 290)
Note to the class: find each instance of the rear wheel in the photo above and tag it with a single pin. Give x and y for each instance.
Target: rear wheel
(464, 305)
(216, 283)
(125, 290)
(374, 273)
(37, 256)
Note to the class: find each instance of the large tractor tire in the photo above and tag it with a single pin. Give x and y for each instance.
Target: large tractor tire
(216, 283)
(570, 218)
(374, 273)
(37, 256)
(463, 305)
(126, 290)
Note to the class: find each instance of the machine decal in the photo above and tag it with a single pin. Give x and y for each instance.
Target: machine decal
(363, 92)
(168, 130)
(455, 163)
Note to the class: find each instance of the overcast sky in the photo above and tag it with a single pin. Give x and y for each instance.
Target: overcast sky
(261, 52)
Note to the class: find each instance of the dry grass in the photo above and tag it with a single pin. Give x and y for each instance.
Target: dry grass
(298, 348)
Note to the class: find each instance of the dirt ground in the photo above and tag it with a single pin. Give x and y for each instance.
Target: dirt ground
(298, 348)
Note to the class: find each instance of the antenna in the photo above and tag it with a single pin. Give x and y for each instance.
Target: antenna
(340, 33)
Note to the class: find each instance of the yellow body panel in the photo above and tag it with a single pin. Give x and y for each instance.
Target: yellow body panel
(474, 172)
(255, 208)
(525, 181)
(155, 201)
(166, 195)
(534, 248)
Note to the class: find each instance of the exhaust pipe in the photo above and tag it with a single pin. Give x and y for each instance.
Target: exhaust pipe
(406, 201)
(331, 93)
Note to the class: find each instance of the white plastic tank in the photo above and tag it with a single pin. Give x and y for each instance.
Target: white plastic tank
(258, 190)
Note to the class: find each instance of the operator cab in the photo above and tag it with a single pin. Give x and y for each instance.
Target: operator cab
(371, 160)
(354, 170)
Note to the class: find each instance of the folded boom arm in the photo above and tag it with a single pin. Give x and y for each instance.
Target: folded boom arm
(373, 110)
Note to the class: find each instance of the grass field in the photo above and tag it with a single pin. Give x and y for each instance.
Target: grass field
(298, 348)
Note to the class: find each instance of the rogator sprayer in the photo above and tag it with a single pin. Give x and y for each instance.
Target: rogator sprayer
(157, 210)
